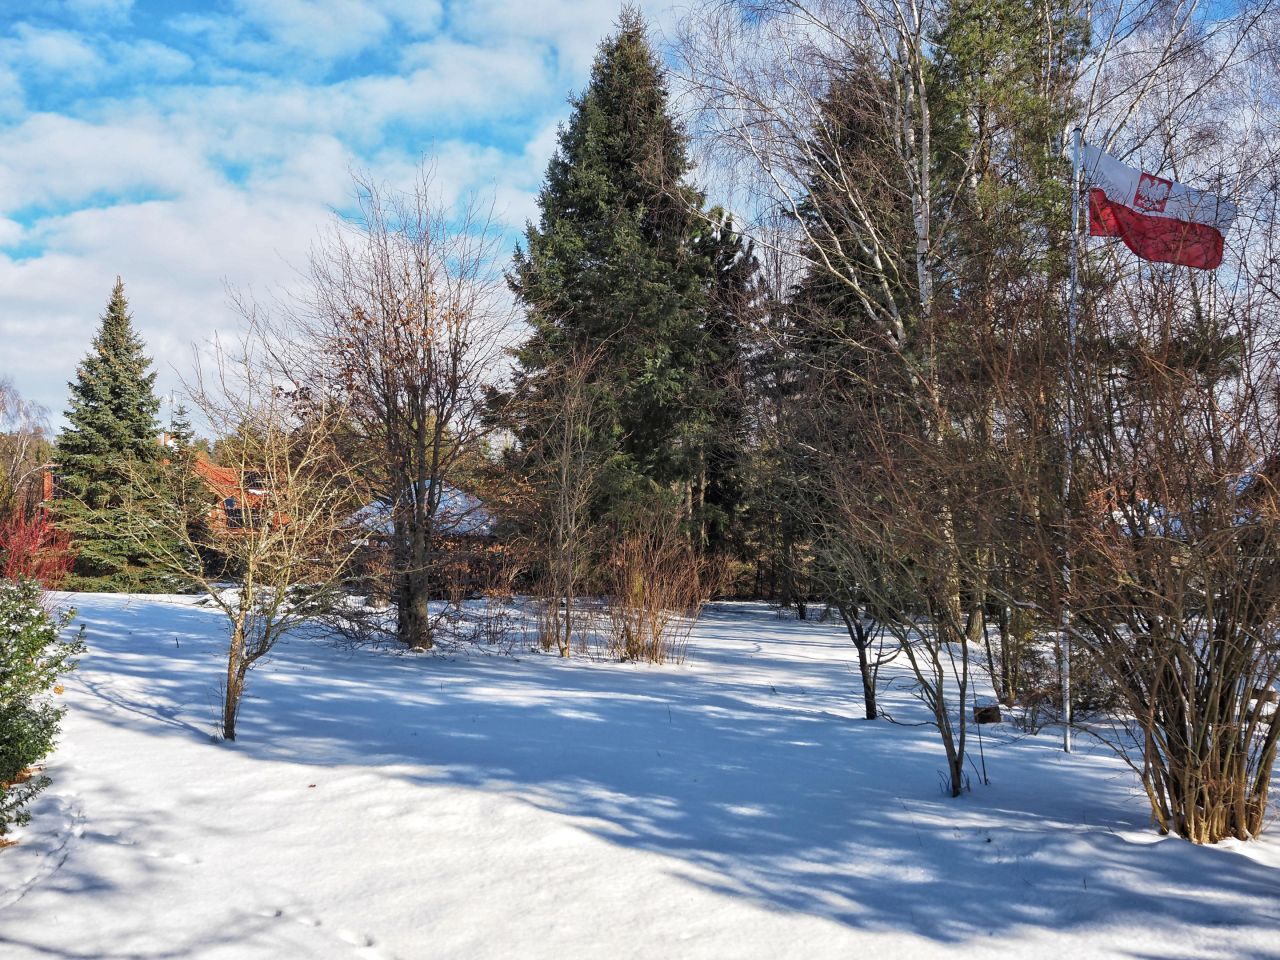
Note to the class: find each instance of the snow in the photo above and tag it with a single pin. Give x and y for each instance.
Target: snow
(464, 805)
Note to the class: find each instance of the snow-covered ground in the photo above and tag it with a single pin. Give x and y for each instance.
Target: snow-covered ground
(473, 806)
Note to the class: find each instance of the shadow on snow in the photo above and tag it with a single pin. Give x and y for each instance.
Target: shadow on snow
(747, 769)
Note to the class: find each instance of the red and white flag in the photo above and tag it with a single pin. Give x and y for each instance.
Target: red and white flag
(1156, 218)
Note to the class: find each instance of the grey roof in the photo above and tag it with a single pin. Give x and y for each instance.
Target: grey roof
(459, 514)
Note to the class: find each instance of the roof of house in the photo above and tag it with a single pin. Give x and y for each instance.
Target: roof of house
(226, 482)
(459, 514)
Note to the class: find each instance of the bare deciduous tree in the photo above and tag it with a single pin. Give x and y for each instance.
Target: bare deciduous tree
(272, 518)
(404, 326)
(23, 450)
(559, 463)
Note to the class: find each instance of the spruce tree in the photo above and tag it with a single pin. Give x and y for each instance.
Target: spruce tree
(181, 435)
(613, 266)
(109, 442)
(734, 303)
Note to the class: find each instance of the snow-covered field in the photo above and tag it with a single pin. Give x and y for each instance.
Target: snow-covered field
(472, 806)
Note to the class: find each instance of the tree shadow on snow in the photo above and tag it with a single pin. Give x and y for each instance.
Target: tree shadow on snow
(747, 769)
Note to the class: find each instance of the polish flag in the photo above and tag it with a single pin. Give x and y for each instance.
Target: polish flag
(1156, 218)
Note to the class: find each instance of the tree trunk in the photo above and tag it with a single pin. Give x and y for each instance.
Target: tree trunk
(868, 685)
(955, 764)
(566, 639)
(976, 628)
(858, 634)
(230, 707)
(420, 611)
(1006, 652)
(234, 682)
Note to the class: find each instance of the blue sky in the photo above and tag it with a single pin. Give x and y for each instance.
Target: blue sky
(190, 145)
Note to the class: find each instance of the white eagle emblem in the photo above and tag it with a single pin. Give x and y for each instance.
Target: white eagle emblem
(1153, 193)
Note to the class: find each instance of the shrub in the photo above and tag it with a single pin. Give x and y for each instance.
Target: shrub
(33, 654)
(35, 549)
(657, 586)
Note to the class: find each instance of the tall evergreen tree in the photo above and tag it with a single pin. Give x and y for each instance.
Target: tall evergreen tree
(734, 305)
(111, 435)
(614, 265)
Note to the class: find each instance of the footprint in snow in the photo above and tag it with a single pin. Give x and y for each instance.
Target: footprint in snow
(116, 839)
(157, 853)
(50, 862)
(185, 859)
(366, 946)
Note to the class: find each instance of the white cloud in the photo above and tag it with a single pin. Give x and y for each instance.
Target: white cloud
(184, 165)
(52, 160)
(318, 171)
(419, 17)
(11, 232)
(147, 57)
(71, 60)
(324, 30)
(60, 55)
(110, 9)
(451, 81)
(11, 93)
(175, 257)
(573, 28)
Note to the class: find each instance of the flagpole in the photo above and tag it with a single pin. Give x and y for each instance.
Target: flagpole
(1068, 438)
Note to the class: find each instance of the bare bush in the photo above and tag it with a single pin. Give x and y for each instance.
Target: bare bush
(658, 584)
(1176, 559)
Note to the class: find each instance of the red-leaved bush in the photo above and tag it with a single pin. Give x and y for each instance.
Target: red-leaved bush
(33, 548)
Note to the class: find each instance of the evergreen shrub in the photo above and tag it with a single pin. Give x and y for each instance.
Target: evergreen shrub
(34, 654)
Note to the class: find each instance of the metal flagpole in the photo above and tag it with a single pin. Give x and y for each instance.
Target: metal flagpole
(1068, 439)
